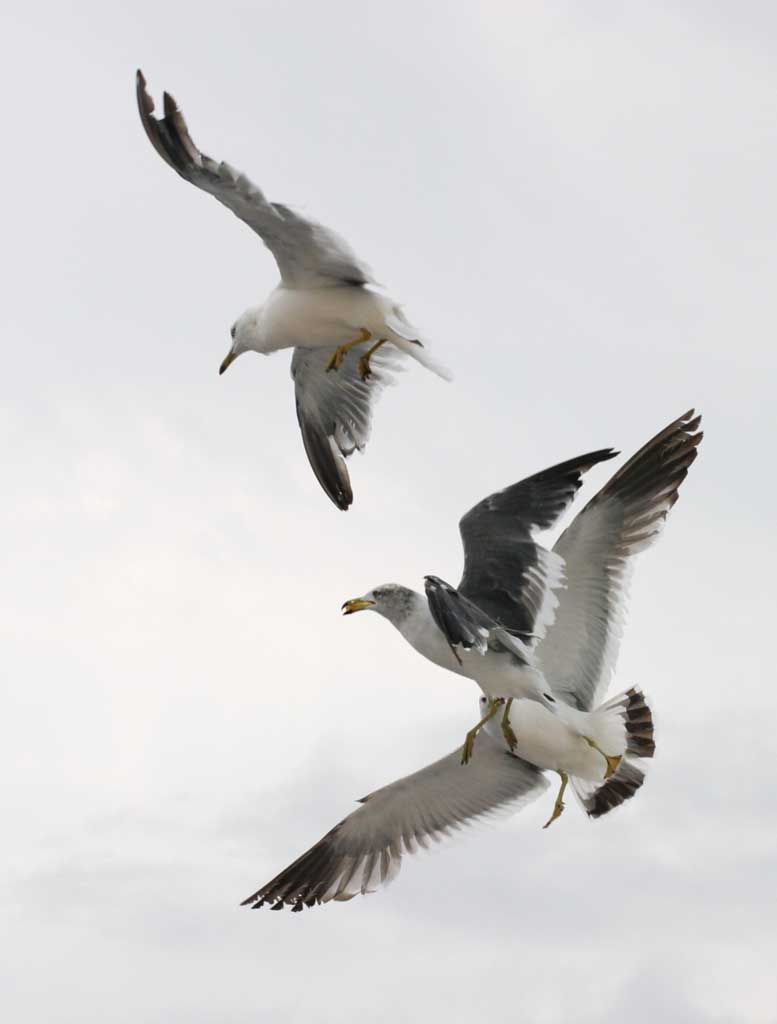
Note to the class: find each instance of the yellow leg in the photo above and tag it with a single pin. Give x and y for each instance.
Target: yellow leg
(364, 362)
(339, 353)
(469, 740)
(558, 807)
(612, 760)
(507, 730)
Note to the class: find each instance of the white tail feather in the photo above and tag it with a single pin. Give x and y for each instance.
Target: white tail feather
(623, 725)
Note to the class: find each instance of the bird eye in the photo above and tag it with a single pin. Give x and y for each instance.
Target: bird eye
(232, 331)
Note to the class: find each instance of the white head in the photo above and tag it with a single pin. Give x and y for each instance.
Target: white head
(391, 600)
(247, 336)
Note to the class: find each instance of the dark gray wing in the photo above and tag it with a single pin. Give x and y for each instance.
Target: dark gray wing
(464, 624)
(365, 850)
(506, 574)
(308, 254)
(579, 651)
(334, 411)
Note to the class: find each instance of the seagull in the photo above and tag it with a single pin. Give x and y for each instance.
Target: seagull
(538, 629)
(566, 608)
(322, 308)
(364, 852)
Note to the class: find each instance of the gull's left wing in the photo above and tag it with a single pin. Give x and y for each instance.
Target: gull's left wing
(334, 411)
(506, 573)
(308, 254)
(578, 653)
(365, 850)
(465, 625)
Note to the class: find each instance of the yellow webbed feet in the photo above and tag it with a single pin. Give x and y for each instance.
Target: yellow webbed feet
(340, 352)
(558, 807)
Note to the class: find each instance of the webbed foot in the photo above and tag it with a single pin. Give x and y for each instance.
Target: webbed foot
(558, 807)
(340, 352)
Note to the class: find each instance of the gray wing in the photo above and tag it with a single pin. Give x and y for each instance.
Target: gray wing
(579, 651)
(308, 254)
(464, 624)
(365, 850)
(334, 411)
(507, 574)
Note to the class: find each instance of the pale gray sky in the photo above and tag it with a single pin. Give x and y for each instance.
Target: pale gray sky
(576, 202)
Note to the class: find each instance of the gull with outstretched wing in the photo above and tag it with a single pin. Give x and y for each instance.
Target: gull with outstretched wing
(519, 607)
(323, 307)
(365, 850)
(537, 629)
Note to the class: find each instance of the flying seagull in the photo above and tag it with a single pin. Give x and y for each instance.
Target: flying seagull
(538, 630)
(364, 851)
(322, 308)
(571, 635)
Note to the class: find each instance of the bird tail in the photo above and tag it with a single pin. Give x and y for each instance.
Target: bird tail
(407, 338)
(623, 725)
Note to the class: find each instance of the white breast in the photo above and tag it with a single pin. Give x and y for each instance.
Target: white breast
(421, 632)
(547, 741)
(497, 674)
(320, 317)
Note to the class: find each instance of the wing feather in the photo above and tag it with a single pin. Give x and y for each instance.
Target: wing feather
(334, 411)
(506, 573)
(579, 651)
(308, 254)
(364, 851)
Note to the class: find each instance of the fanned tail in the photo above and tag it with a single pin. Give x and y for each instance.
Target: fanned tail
(630, 712)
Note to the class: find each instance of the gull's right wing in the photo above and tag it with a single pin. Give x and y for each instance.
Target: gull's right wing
(334, 411)
(308, 254)
(365, 850)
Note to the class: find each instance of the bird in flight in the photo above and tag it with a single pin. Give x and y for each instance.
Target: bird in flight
(539, 631)
(347, 337)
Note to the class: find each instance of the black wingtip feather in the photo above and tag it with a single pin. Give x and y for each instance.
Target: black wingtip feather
(660, 466)
(329, 470)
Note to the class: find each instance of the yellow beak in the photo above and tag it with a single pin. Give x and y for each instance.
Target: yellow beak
(358, 604)
(229, 358)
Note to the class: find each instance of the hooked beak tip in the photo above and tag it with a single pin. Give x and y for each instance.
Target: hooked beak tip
(229, 358)
(356, 605)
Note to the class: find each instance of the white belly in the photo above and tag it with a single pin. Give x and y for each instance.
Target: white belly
(546, 741)
(322, 317)
(499, 675)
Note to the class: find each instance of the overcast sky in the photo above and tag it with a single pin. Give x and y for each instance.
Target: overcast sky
(577, 203)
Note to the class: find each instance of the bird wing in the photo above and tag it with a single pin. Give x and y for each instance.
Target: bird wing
(464, 624)
(334, 411)
(365, 850)
(308, 255)
(507, 574)
(579, 651)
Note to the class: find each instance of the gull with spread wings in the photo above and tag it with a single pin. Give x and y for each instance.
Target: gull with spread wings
(322, 308)
(539, 631)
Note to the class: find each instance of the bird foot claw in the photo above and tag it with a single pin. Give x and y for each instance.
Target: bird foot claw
(466, 750)
(507, 730)
(558, 807)
(364, 368)
(339, 353)
(337, 359)
(612, 765)
(613, 760)
(509, 734)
